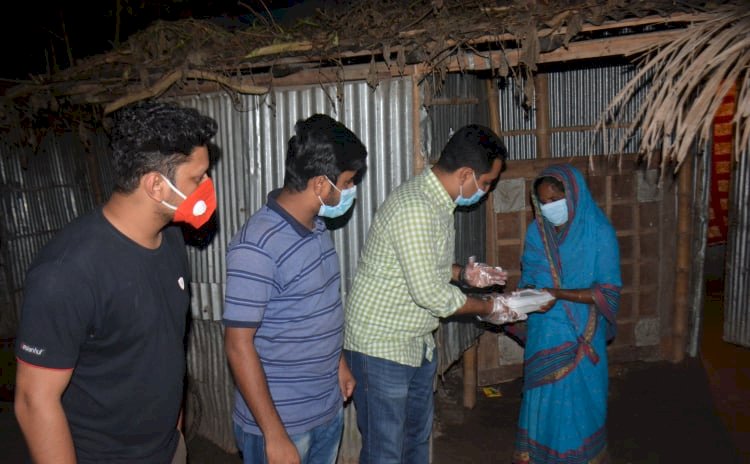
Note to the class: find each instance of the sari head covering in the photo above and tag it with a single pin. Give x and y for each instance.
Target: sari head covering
(574, 256)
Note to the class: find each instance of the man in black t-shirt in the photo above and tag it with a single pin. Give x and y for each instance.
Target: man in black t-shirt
(101, 340)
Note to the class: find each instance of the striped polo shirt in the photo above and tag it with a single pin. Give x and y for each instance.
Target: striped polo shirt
(283, 279)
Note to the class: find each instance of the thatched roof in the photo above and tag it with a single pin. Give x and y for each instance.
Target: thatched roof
(369, 40)
(690, 76)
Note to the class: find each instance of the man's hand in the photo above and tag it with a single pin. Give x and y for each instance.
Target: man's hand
(481, 275)
(346, 379)
(251, 380)
(501, 313)
(281, 451)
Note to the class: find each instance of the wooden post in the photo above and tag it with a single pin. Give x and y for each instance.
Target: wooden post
(682, 276)
(470, 376)
(541, 114)
(416, 105)
(491, 219)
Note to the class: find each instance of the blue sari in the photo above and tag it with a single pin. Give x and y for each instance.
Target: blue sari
(564, 406)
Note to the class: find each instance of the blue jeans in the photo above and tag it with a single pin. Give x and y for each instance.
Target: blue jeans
(394, 408)
(319, 445)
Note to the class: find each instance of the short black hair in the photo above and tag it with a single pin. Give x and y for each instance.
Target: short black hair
(322, 146)
(472, 146)
(553, 181)
(151, 136)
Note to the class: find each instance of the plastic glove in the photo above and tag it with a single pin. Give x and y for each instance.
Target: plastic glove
(501, 313)
(482, 275)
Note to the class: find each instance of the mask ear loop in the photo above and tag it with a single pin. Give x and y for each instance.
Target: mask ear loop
(477, 183)
(332, 185)
(175, 189)
(199, 208)
(461, 186)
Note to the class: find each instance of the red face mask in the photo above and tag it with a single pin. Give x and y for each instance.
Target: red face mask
(196, 208)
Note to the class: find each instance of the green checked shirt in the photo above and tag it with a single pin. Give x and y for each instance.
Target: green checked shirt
(402, 284)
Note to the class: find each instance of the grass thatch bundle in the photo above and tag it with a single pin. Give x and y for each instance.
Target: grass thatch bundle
(689, 77)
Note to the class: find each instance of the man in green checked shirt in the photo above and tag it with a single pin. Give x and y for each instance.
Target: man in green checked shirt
(402, 288)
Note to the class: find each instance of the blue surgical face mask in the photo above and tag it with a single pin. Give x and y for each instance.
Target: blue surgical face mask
(345, 202)
(556, 212)
(463, 201)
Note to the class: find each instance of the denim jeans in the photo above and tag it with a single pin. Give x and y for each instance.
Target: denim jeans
(395, 407)
(317, 446)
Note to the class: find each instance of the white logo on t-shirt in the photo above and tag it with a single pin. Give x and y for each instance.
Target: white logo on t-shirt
(181, 283)
(32, 349)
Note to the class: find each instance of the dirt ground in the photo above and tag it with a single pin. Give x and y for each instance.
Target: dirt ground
(659, 413)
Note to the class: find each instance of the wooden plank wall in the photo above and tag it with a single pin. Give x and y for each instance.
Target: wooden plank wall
(643, 214)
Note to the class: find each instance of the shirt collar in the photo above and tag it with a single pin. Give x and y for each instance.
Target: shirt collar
(435, 189)
(298, 227)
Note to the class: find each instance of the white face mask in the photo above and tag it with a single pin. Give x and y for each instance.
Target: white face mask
(556, 212)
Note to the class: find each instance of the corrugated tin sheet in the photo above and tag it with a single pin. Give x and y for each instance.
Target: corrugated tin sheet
(39, 193)
(253, 141)
(737, 284)
(470, 96)
(254, 146)
(578, 98)
(516, 120)
(455, 337)
(210, 390)
(701, 213)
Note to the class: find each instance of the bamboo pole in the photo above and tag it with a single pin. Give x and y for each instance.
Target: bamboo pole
(470, 376)
(416, 104)
(541, 113)
(493, 107)
(176, 75)
(682, 275)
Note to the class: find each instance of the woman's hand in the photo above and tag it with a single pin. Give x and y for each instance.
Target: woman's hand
(547, 306)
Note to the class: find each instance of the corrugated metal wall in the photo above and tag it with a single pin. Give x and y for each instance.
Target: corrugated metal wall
(517, 125)
(253, 139)
(253, 142)
(737, 283)
(455, 337)
(39, 193)
(578, 96)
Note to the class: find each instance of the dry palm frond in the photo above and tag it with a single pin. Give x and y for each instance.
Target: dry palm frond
(689, 77)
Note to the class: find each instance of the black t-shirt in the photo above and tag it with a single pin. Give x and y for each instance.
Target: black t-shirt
(115, 312)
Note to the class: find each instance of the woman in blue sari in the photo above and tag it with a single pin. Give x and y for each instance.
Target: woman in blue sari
(570, 250)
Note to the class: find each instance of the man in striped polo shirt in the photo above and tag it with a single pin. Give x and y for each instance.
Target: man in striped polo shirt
(402, 288)
(283, 313)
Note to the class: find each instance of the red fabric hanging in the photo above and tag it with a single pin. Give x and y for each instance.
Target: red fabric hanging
(721, 169)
